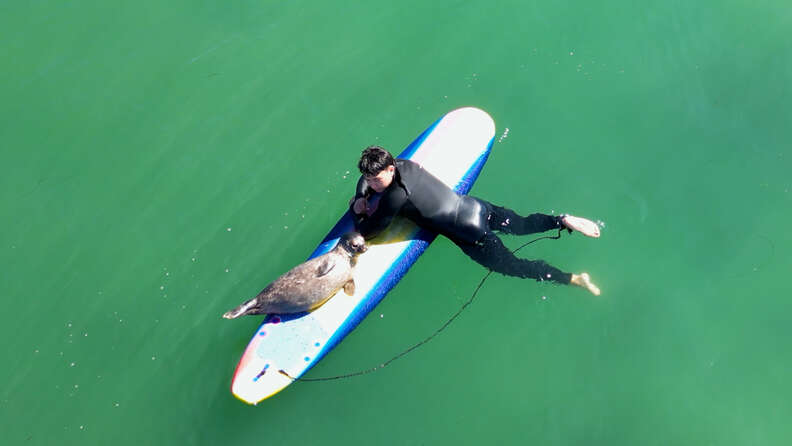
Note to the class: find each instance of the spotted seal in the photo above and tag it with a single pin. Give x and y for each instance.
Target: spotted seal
(308, 285)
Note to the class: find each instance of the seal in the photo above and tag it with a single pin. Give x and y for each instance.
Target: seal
(310, 284)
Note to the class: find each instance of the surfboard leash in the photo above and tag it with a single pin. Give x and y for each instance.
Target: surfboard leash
(428, 338)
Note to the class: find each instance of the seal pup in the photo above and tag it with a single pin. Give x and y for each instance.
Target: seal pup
(308, 285)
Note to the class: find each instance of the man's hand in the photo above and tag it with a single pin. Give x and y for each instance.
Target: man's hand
(582, 225)
(360, 206)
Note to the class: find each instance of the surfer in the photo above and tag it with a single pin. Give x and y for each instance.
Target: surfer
(407, 189)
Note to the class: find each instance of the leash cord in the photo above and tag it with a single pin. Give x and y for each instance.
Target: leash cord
(428, 338)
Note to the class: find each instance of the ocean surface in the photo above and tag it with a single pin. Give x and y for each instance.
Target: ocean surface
(164, 161)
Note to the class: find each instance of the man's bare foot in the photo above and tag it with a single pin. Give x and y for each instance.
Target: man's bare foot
(583, 280)
(582, 225)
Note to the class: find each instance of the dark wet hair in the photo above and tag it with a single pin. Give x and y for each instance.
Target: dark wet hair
(374, 160)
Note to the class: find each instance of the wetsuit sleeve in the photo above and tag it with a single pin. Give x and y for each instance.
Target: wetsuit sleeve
(388, 207)
(362, 189)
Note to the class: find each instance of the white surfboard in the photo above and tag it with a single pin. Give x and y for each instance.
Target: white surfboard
(454, 149)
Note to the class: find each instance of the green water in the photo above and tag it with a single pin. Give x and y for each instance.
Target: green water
(163, 161)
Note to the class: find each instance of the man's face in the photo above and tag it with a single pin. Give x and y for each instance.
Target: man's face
(382, 180)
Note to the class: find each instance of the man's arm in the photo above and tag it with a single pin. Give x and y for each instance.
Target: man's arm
(388, 207)
(362, 189)
(358, 203)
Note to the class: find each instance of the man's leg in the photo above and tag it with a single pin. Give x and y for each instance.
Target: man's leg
(509, 222)
(493, 254)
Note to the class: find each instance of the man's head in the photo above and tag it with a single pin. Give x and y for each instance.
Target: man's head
(378, 167)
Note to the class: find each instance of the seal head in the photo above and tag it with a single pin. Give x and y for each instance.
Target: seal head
(353, 243)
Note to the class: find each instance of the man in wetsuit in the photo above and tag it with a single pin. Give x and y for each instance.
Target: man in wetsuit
(407, 189)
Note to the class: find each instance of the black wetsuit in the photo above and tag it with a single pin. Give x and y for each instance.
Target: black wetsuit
(469, 222)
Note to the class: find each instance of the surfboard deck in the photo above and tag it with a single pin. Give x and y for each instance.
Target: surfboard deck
(454, 148)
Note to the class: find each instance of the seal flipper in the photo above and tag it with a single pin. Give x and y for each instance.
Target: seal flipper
(325, 267)
(349, 287)
(246, 308)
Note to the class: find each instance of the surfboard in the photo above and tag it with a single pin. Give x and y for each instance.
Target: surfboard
(454, 149)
